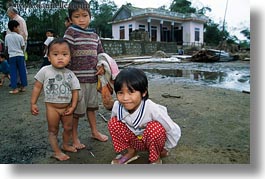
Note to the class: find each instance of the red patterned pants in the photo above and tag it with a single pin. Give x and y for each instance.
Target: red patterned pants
(153, 139)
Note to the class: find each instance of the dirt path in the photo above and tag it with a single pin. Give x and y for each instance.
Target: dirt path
(214, 122)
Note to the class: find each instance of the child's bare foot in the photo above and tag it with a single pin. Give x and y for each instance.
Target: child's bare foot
(100, 137)
(78, 145)
(164, 153)
(69, 148)
(61, 156)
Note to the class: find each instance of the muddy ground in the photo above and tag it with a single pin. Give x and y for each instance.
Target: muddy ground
(215, 126)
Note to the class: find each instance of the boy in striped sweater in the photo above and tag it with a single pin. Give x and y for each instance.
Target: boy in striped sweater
(85, 47)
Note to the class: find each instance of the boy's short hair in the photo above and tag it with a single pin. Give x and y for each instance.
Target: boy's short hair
(2, 55)
(50, 30)
(12, 24)
(58, 41)
(78, 4)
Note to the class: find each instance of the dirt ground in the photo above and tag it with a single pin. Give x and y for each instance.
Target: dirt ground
(215, 126)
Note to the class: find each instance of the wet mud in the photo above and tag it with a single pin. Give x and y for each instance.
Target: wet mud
(215, 122)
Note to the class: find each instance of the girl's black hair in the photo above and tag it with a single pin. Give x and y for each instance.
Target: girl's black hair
(57, 41)
(78, 4)
(134, 78)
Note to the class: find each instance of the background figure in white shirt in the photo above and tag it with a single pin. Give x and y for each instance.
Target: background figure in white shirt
(50, 37)
(12, 13)
(137, 123)
(14, 44)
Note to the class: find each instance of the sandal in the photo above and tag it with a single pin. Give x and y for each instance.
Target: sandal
(157, 162)
(124, 160)
(22, 90)
(14, 91)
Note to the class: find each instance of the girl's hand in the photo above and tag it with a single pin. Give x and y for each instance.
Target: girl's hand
(34, 109)
(101, 70)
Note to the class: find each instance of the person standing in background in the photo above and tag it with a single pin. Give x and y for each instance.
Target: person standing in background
(14, 45)
(12, 13)
(50, 37)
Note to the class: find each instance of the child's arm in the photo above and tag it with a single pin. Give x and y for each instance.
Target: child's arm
(73, 105)
(34, 97)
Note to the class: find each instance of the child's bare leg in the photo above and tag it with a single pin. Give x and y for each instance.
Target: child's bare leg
(93, 125)
(58, 154)
(67, 132)
(53, 118)
(76, 142)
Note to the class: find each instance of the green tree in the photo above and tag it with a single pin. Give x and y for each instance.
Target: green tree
(212, 34)
(182, 6)
(246, 33)
(203, 10)
(102, 14)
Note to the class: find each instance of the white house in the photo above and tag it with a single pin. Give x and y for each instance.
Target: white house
(161, 25)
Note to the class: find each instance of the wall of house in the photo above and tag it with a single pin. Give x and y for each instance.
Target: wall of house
(116, 29)
(189, 33)
(188, 30)
(125, 47)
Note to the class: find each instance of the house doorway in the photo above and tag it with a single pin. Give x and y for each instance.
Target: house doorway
(178, 34)
(153, 33)
(166, 34)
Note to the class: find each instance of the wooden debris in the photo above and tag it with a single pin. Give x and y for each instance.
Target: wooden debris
(244, 91)
(166, 95)
(102, 117)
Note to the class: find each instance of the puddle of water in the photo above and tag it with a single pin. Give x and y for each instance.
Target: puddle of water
(234, 80)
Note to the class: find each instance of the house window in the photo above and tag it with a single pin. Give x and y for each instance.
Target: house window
(153, 33)
(130, 29)
(141, 27)
(122, 32)
(166, 34)
(197, 34)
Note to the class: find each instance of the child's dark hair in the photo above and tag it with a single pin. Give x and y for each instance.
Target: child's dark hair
(12, 24)
(2, 55)
(57, 41)
(134, 78)
(50, 30)
(78, 4)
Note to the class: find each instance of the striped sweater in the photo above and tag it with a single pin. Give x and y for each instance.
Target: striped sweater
(85, 47)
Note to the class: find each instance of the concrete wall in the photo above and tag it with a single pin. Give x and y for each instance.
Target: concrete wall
(125, 47)
(120, 47)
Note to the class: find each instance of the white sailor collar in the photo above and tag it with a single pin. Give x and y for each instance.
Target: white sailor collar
(136, 116)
